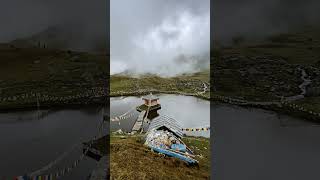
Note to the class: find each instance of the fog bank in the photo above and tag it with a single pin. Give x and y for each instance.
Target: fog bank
(166, 38)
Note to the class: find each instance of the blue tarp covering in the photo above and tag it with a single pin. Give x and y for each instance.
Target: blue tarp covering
(177, 155)
(179, 147)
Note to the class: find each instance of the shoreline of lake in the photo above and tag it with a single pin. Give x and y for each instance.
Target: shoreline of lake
(289, 109)
(83, 102)
(80, 102)
(76, 103)
(142, 93)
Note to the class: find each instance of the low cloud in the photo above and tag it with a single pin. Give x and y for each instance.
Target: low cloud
(178, 43)
(258, 19)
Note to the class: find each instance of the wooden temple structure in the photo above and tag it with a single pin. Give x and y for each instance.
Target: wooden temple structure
(148, 111)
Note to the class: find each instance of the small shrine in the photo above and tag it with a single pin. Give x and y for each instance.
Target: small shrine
(150, 100)
(152, 103)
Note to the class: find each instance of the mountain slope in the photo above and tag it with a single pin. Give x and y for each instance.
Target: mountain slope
(65, 37)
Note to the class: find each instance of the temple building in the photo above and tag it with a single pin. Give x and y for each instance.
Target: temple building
(152, 103)
(151, 100)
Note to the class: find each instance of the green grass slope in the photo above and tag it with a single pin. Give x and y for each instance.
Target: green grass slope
(47, 71)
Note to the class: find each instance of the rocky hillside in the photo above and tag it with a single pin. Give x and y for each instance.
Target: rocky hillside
(282, 66)
(196, 84)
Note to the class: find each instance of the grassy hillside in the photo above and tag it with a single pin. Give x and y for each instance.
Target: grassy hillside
(130, 159)
(270, 69)
(192, 84)
(301, 46)
(48, 72)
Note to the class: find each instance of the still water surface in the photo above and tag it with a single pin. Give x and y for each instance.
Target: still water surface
(28, 143)
(190, 112)
(254, 144)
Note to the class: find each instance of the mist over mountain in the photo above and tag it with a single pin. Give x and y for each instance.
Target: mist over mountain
(257, 19)
(65, 37)
(165, 38)
(181, 64)
(74, 24)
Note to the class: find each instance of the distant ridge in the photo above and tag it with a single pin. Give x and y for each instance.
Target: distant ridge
(64, 37)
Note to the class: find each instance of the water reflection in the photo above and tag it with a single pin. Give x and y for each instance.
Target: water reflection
(252, 144)
(31, 142)
(190, 112)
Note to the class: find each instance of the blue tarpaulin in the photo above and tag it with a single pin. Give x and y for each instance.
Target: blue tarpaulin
(179, 147)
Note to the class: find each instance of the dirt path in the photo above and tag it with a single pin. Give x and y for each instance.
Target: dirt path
(302, 86)
(205, 88)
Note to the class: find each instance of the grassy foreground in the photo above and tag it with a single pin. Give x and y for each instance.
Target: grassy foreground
(130, 159)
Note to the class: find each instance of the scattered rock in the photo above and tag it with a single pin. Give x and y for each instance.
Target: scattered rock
(118, 132)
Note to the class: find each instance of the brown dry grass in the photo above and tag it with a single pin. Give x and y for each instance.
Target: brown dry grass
(131, 160)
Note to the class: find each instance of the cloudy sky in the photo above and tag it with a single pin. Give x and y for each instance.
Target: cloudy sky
(23, 18)
(261, 18)
(166, 37)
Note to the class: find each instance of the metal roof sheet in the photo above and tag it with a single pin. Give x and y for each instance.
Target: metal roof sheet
(168, 122)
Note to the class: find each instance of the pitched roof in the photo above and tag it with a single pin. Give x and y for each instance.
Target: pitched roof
(167, 122)
(150, 97)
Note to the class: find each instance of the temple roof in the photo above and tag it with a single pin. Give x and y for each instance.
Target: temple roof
(150, 97)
